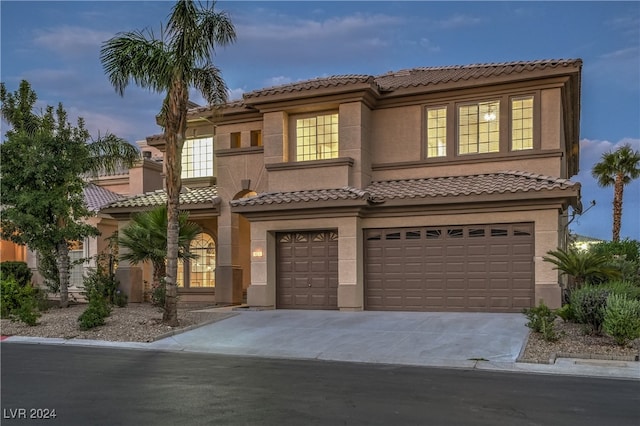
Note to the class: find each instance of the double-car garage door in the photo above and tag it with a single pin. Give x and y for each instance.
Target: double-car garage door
(447, 268)
(450, 268)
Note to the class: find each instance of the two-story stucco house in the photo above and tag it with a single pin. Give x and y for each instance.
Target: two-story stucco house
(435, 188)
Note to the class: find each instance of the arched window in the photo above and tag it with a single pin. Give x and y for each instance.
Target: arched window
(201, 271)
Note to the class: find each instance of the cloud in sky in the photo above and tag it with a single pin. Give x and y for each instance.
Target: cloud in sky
(71, 40)
(457, 21)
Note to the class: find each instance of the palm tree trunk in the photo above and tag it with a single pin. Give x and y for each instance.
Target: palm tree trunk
(62, 260)
(175, 130)
(618, 189)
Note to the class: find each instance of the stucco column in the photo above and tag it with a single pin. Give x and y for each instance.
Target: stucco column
(350, 266)
(228, 274)
(547, 236)
(128, 275)
(262, 291)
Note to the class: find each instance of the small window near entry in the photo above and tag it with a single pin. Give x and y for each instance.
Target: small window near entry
(256, 138)
(473, 232)
(499, 232)
(392, 236)
(433, 234)
(235, 140)
(455, 233)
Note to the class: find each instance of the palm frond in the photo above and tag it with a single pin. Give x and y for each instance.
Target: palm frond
(137, 56)
(110, 154)
(209, 82)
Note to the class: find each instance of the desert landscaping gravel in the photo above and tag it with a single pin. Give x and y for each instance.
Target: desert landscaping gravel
(134, 323)
(143, 323)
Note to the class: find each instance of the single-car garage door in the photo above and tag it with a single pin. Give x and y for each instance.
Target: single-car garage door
(450, 268)
(307, 270)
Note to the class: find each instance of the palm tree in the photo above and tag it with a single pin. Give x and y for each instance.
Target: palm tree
(583, 266)
(177, 60)
(145, 237)
(617, 168)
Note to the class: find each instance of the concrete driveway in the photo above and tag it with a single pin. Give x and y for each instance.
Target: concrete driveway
(409, 338)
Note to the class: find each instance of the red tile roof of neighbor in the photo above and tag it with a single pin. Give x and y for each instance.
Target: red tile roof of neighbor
(453, 186)
(97, 197)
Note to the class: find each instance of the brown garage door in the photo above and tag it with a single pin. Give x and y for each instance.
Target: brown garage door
(450, 268)
(307, 270)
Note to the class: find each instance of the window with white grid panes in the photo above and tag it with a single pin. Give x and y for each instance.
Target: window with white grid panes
(197, 158)
(317, 137)
(522, 123)
(436, 132)
(479, 128)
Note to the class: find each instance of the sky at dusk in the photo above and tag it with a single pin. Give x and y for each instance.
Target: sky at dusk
(55, 45)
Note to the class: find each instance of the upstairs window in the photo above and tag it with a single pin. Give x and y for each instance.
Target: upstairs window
(316, 137)
(436, 132)
(197, 158)
(522, 123)
(479, 128)
(499, 125)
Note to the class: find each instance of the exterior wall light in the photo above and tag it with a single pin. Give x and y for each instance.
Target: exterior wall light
(257, 252)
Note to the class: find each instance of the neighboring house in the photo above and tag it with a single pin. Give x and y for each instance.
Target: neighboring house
(434, 188)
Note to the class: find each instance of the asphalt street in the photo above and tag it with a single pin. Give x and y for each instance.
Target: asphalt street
(101, 386)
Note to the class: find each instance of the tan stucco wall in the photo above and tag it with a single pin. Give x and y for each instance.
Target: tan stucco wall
(262, 291)
(396, 134)
(551, 116)
(325, 177)
(354, 134)
(544, 166)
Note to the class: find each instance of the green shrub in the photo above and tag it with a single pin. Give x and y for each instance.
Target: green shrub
(624, 288)
(99, 282)
(630, 249)
(19, 303)
(90, 318)
(28, 312)
(622, 318)
(120, 299)
(96, 312)
(566, 313)
(623, 255)
(588, 304)
(18, 270)
(9, 292)
(158, 294)
(541, 320)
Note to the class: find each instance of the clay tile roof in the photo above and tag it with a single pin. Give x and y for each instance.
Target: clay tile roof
(491, 183)
(157, 198)
(452, 186)
(97, 197)
(317, 83)
(434, 75)
(346, 193)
